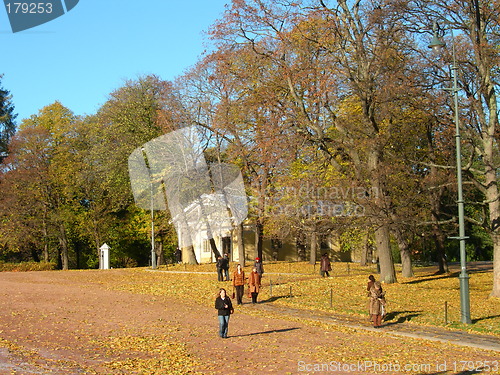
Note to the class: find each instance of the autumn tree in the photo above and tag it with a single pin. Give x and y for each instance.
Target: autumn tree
(37, 172)
(342, 73)
(216, 95)
(476, 27)
(24, 208)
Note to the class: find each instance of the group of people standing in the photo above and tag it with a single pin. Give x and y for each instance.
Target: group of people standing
(223, 303)
(254, 281)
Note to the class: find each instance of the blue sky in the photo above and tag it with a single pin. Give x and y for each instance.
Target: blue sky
(84, 55)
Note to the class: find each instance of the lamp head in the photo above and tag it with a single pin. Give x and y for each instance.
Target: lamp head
(436, 43)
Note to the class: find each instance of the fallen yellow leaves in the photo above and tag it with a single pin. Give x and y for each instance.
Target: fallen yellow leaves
(419, 300)
(147, 355)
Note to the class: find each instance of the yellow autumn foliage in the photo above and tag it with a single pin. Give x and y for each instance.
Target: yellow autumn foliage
(417, 300)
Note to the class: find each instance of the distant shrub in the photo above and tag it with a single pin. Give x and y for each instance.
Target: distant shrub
(27, 266)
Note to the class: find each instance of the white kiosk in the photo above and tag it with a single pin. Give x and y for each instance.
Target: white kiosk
(104, 257)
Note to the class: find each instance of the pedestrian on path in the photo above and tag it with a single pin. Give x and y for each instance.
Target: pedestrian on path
(254, 284)
(178, 256)
(371, 281)
(239, 283)
(377, 303)
(220, 270)
(325, 266)
(224, 310)
(259, 266)
(225, 266)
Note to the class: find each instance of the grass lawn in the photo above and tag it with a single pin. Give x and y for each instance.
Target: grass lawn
(418, 300)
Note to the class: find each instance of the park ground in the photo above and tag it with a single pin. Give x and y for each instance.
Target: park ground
(139, 321)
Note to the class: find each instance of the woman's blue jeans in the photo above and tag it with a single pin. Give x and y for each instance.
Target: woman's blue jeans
(223, 324)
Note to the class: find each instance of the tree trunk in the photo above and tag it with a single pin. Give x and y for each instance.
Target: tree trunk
(241, 245)
(189, 255)
(407, 268)
(406, 265)
(259, 238)
(439, 242)
(63, 241)
(494, 212)
(213, 246)
(314, 246)
(366, 252)
(46, 256)
(382, 238)
(159, 253)
(97, 240)
(387, 271)
(492, 196)
(496, 267)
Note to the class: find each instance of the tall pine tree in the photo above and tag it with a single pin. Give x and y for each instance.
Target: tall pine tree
(7, 117)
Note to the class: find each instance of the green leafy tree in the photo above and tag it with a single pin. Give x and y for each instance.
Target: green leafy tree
(133, 115)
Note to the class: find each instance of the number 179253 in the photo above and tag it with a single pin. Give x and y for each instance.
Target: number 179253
(31, 8)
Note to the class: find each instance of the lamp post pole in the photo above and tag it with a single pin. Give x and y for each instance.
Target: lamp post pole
(463, 277)
(436, 44)
(153, 254)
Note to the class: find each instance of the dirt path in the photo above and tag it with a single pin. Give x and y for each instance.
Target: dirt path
(51, 323)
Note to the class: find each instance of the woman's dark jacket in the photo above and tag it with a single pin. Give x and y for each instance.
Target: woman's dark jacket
(219, 305)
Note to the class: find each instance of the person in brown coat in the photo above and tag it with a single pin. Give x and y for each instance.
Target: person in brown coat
(239, 283)
(325, 266)
(254, 284)
(377, 303)
(371, 281)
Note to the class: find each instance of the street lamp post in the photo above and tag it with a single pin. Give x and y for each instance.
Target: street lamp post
(153, 253)
(437, 44)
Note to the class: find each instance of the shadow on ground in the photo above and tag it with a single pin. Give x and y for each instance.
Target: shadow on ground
(485, 318)
(268, 332)
(398, 317)
(272, 299)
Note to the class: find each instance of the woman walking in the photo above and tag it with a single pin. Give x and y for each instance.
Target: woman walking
(377, 303)
(254, 284)
(325, 266)
(371, 281)
(239, 284)
(224, 310)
